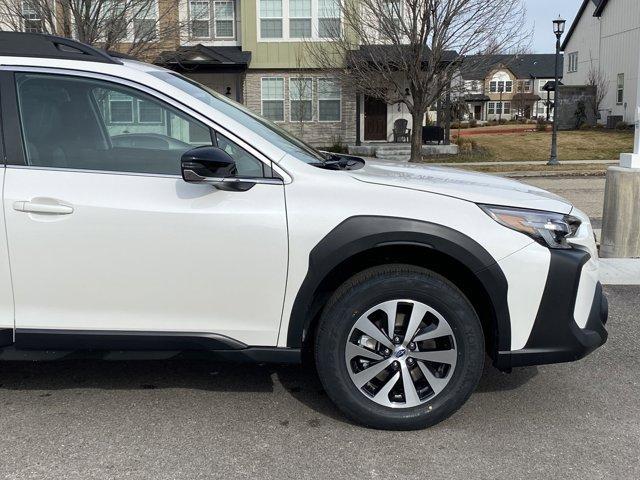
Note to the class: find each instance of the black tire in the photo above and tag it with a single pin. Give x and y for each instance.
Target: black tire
(380, 284)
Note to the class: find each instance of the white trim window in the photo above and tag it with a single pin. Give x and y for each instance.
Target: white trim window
(506, 108)
(329, 24)
(329, 100)
(271, 18)
(272, 98)
(200, 16)
(224, 19)
(300, 99)
(32, 23)
(491, 108)
(299, 18)
(120, 108)
(145, 21)
(525, 86)
(572, 63)
(620, 89)
(149, 112)
(493, 87)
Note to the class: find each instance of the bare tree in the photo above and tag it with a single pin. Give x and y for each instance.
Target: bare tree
(596, 78)
(409, 51)
(134, 27)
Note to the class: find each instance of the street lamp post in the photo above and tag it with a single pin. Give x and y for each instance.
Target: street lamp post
(501, 90)
(558, 29)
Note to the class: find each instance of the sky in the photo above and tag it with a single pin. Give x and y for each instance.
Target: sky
(540, 15)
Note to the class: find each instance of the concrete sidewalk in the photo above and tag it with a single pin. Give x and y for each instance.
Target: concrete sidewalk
(620, 271)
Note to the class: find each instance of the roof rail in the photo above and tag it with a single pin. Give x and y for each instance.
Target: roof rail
(42, 45)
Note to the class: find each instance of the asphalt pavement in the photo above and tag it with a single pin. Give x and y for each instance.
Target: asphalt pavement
(191, 420)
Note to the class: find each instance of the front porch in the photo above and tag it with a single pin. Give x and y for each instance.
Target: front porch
(399, 151)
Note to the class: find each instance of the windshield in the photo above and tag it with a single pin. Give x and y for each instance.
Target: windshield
(271, 132)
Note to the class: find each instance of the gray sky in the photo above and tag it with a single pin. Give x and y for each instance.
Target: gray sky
(540, 14)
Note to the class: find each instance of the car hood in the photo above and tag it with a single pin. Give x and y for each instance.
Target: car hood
(471, 186)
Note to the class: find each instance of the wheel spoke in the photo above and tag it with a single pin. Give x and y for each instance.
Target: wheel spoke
(417, 314)
(410, 394)
(354, 350)
(442, 330)
(383, 394)
(437, 356)
(436, 384)
(391, 309)
(367, 327)
(365, 376)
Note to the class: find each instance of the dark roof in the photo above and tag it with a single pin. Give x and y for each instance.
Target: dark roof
(538, 65)
(476, 97)
(389, 53)
(600, 6)
(201, 54)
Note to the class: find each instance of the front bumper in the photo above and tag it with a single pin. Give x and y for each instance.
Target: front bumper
(556, 337)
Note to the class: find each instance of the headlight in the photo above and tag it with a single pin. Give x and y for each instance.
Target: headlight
(547, 228)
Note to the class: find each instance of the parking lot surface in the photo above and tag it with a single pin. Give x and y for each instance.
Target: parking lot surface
(192, 419)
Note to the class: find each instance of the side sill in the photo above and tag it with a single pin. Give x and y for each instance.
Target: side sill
(246, 355)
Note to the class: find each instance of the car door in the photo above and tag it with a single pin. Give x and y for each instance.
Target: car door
(106, 239)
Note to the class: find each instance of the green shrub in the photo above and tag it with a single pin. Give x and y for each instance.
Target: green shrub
(622, 125)
(473, 123)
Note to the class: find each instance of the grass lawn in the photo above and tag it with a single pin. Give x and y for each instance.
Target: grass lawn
(532, 146)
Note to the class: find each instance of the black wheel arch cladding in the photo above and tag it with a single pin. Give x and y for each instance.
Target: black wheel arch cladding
(359, 234)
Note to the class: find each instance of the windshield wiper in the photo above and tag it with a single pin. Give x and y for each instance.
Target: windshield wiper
(339, 162)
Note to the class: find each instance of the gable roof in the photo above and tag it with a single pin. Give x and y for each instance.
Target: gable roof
(538, 65)
(600, 6)
(201, 54)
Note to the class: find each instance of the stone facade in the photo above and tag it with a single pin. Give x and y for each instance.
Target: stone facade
(314, 132)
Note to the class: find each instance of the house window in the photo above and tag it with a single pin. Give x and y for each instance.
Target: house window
(144, 23)
(573, 62)
(506, 108)
(301, 99)
(149, 112)
(224, 19)
(273, 98)
(31, 18)
(620, 89)
(299, 18)
(329, 19)
(329, 100)
(509, 87)
(493, 87)
(524, 86)
(200, 19)
(492, 108)
(271, 18)
(120, 108)
(394, 14)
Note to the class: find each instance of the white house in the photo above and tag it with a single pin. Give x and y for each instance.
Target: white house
(605, 36)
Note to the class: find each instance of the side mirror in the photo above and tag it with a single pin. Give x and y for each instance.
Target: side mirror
(213, 166)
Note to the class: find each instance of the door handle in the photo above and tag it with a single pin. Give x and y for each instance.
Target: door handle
(45, 208)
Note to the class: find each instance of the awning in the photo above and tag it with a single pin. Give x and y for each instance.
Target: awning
(550, 86)
(526, 97)
(200, 55)
(476, 97)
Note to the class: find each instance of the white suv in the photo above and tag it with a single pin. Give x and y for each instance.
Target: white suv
(144, 213)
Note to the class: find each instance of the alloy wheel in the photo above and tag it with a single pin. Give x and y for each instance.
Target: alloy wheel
(401, 353)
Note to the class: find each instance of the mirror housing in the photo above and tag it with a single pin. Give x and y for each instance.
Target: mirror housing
(212, 166)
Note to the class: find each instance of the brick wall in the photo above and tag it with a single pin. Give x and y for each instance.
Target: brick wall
(321, 134)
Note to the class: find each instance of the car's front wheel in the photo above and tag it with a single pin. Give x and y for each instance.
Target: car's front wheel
(399, 347)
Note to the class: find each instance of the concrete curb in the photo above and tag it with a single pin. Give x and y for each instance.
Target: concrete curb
(620, 271)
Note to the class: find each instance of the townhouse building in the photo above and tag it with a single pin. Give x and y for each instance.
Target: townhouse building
(507, 86)
(604, 37)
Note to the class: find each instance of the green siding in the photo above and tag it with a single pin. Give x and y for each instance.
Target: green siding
(269, 55)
